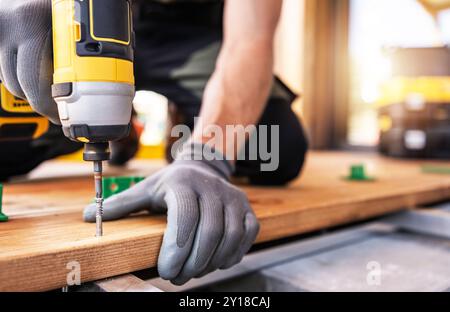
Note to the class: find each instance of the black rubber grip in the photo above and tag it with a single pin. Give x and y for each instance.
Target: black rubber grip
(97, 134)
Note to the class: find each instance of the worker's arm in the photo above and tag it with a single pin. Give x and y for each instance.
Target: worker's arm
(210, 223)
(238, 90)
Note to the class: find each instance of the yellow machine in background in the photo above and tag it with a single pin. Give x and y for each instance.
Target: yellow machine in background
(414, 108)
(18, 121)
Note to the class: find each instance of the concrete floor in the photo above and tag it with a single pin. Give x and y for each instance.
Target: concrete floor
(398, 262)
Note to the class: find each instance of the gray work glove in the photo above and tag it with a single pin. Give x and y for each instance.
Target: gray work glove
(210, 224)
(26, 66)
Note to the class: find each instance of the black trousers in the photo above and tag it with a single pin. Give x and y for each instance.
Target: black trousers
(177, 46)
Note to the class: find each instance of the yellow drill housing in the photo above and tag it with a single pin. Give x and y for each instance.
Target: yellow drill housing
(93, 68)
(78, 59)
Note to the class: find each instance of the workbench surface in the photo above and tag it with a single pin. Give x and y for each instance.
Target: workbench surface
(46, 230)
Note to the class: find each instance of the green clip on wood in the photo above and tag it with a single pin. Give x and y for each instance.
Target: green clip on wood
(358, 173)
(3, 217)
(115, 185)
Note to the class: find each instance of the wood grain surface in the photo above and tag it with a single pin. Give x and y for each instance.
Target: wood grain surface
(46, 231)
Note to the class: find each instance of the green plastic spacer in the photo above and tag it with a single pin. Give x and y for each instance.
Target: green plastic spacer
(3, 217)
(115, 185)
(358, 173)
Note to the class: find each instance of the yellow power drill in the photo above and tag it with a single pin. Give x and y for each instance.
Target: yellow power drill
(93, 47)
(18, 121)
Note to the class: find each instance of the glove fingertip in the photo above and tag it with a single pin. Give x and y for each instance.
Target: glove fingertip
(179, 281)
(252, 225)
(171, 259)
(89, 214)
(252, 228)
(167, 273)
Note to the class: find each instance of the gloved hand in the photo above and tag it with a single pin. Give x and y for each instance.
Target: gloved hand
(26, 66)
(210, 224)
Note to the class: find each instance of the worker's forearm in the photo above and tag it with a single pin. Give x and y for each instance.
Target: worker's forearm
(236, 94)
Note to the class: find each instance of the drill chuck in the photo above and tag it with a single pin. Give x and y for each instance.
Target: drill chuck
(96, 152)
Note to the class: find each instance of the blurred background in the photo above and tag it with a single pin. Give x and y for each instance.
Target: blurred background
(370, 75)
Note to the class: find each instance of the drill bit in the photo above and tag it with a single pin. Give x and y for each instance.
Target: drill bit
(98, 176)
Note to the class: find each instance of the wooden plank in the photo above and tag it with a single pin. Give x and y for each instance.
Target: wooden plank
(35, 248)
